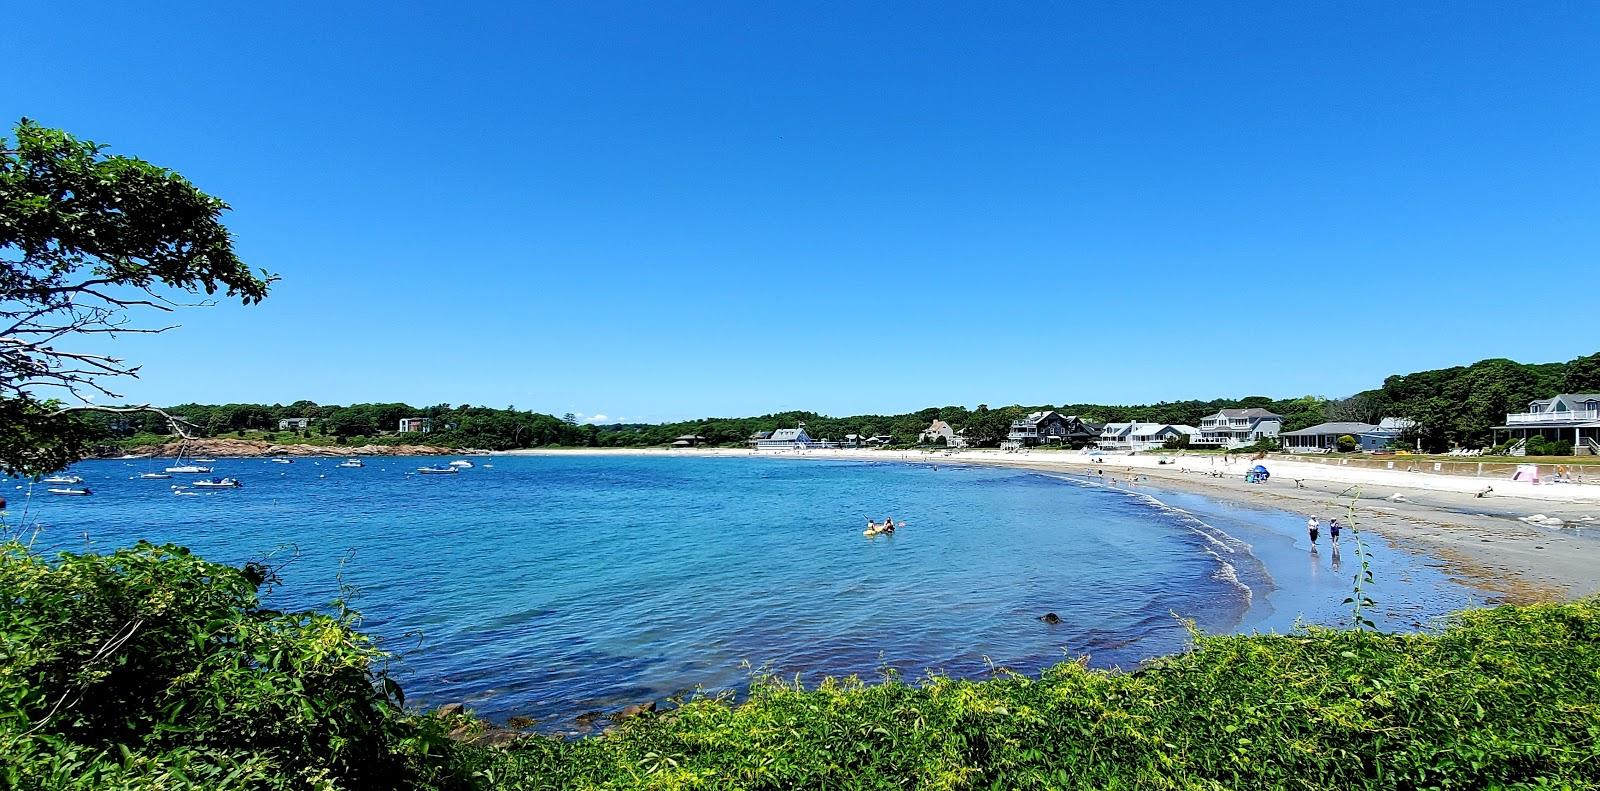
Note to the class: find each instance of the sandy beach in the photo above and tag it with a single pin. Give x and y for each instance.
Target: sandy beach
(1485, 542)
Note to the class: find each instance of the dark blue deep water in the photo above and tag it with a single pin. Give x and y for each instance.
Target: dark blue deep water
(549, 586)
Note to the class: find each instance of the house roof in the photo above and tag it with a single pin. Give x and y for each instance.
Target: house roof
(1570, 398)
(1254, 411)
(691, 437)
(789, 434)
(1396, 423)
(1338, 427)
(936, 426)
(761, 435)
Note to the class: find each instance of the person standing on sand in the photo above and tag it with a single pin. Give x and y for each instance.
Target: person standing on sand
(1333, 530)
(1311, 530)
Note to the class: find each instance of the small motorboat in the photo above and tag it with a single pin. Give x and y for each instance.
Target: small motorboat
(188, 469)
(70, 492)
(63, 479)
(438, 469)
(204, 461)
(462, 464)
(351, 463)
(281, 460)
(154, 475)
(218, 483)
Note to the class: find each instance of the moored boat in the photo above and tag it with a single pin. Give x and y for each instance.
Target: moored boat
(351, 463)
(154, 475)
(218, 483)
(188, 469)
(438, 469)
(63, 479)
(81, 492)
(281, 460)
(461, 463)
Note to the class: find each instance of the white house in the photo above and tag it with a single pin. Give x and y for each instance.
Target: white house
(1234, 428)
(1574, 417)
(417, 425)
(1142, 436)
(785, 439)
(294, 423)
(939, 428)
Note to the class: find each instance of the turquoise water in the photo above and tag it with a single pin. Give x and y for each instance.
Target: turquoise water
(552, 586)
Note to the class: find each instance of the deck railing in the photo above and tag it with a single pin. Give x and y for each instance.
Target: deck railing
(1573, 416)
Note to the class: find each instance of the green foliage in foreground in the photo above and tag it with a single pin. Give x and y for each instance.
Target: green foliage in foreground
(210, 690)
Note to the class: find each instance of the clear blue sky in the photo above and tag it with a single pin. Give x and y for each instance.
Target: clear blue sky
(670, 210)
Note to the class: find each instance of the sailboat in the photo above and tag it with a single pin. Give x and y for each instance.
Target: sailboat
(180, 468)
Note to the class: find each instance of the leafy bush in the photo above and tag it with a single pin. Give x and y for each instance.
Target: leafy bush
(1346, 443)
(153, 667)
(1176, 442)
(1539, 446)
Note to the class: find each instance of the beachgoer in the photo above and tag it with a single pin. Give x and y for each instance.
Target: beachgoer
(1333, 530)
(1311, 530)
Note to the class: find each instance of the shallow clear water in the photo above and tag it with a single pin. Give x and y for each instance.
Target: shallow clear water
(551, 586)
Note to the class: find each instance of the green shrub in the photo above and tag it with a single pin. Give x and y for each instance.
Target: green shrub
(150, 666)
(1346, 444)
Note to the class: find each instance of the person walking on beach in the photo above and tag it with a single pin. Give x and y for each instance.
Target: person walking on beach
(1311, 530)
(1333, 530)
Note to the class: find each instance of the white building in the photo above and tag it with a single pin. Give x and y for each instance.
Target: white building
(416, 425)
(1234, 428)
(785, 439)
(939, 428)
(1142, 436)
(294, 423)
(1574, 417)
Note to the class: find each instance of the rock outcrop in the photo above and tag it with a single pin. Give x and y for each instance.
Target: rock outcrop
(218, 447)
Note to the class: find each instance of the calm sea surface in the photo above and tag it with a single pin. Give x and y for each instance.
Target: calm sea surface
(551, 586)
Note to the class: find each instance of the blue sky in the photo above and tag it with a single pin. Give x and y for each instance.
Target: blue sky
(669, 210)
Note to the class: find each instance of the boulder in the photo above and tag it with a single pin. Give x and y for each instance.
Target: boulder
(451, 710)
(634, 710)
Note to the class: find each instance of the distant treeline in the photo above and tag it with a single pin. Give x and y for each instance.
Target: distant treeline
(1452, 406)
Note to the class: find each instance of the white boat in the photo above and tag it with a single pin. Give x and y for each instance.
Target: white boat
(217, 483)
(282, 460)
(204, 461)
(461, 463)
(438, 470)
(84, 492)
(154, 475)
(351, 463)
(63, 479)
(188, 469)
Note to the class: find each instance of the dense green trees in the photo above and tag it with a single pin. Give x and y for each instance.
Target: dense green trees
(86, 241)
(1452, 406)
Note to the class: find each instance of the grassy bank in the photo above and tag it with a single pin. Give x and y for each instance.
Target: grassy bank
(153, 668)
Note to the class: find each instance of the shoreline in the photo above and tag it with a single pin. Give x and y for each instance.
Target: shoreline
(1481, 541)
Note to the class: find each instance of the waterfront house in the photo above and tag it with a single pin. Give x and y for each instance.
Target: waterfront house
(294, 423)
(852, 441)
(1573, 417)
(760, 436)
(785, 439)
(688, 441)
(1142, 436)
(1387, 433)
(1234, 428)
(939, 428)
(879, 440)
(1322, 437)
(1051, 427)
(415, 425)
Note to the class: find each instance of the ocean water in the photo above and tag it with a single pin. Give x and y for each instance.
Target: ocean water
(551, 586)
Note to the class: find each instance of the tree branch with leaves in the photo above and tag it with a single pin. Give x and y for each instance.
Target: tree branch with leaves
(90, 243)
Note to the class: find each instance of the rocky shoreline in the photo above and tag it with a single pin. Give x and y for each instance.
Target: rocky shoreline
(247, 448)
